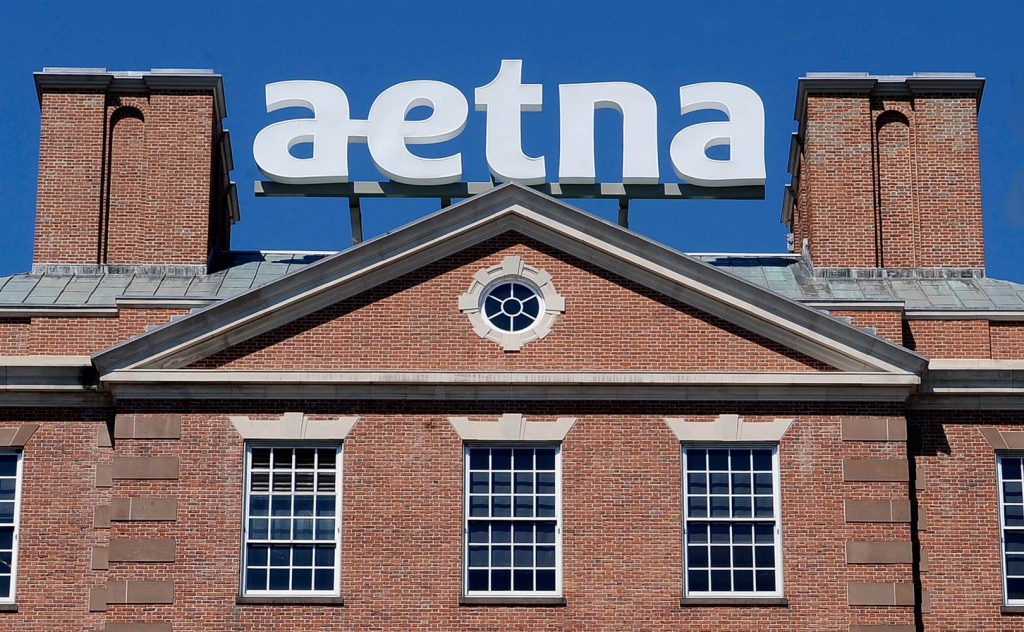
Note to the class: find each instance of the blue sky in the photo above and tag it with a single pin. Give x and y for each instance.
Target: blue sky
(366, 47)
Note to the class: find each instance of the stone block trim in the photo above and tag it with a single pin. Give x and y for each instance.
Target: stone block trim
(880, 594)
(140, 592)
(877, 510)
(295, 426)
(147, 427)
(879, 552)
(127, 550)
(101, 517)
(98, 600)
(17, 437)
(876, 470)
(874, 429)
(104, 475)
(512, 427)
(103, 437)
(145, 467)
(728, 428)
(1003, 439)
(100, 560)
(143, 509)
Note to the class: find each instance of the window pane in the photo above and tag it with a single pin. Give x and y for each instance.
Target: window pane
(508, 489)
(545, 458)
(546, 580)
(523, 532)
(718, 460)
(1015, 588)
(261, 458)
(8, 464)
(697, 556)
(1012, 493)
(730, 509)
(501, 532)
(501, 459)
(478, 580)
(501, 483)
(288, 518)
(697, 580)
(1011, 468)
(721, 580)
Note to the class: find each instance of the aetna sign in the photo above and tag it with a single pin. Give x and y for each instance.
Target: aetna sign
(388, 132)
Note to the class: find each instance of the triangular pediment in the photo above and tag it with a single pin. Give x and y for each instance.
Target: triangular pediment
(545, 227)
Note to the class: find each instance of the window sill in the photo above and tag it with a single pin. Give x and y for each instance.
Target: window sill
(1012, 610)
(8, 607)
(734, 602)
(290, 601)
(541, 602)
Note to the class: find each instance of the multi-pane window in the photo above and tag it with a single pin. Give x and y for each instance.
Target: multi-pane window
(732, 527)
(513, 511)
(292, 524)
(10, 500)
(1011, 517)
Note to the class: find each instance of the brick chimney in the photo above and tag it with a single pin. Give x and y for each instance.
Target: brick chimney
(886, 171)
(133, 170)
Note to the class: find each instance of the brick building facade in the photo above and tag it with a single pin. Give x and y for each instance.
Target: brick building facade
(509, 415)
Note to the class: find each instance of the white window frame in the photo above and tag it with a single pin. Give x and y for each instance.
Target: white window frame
(335, 591)
(1002, 526)
(776, 504)
(557, 592)
(17, 525)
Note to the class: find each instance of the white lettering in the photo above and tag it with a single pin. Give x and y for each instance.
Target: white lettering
(329, 131)
(390, 132)
(505, 99)
(743, 132)
(577, 102)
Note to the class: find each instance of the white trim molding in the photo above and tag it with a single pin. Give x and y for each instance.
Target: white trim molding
(728, 429)
(510, 269)
(512, 427)
(294, 426)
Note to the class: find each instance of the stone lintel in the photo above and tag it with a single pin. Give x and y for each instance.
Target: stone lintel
(512, 427)
(728, 429)
(294, 426)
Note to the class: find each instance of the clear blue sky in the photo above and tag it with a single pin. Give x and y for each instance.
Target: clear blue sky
(367, 46)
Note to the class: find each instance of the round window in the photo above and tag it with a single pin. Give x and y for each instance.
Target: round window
(512, 306)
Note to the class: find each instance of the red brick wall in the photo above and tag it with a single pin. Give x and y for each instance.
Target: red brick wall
(895, 181)
(76, 336)
(414, 323)
(402, 512)
(917, 164)
(950, 338)
(836, 170)
(960, 502)
(949, 182)
(70, 167)
(887, 324)
(1007, 340)
(156, 206)
(57, 535)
